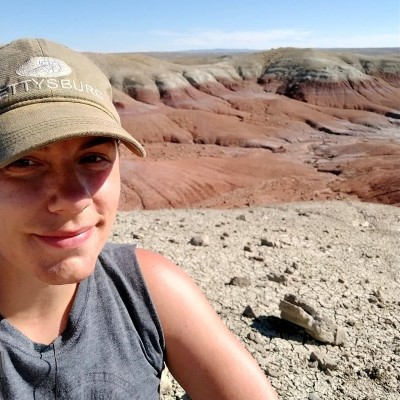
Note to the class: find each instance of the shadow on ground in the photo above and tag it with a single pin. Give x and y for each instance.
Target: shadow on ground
(274, 327)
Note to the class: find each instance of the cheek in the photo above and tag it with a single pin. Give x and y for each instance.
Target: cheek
(16, 203)
(14, 213)
(109, 193)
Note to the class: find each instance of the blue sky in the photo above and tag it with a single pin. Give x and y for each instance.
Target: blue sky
(150, 25)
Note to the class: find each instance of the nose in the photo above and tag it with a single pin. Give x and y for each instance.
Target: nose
(70, 193)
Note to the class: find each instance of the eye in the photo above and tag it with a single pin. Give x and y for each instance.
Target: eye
(22, 163)
(92, 159)
(95, 161)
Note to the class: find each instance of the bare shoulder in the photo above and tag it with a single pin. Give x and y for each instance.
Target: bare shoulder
(158, 270)
(171, 289)
(201, 352)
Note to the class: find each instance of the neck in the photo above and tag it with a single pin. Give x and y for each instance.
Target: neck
(39, 310)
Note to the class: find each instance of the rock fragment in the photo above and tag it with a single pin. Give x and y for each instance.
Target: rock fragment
(276, 278)
(240, 281)
(203, 240)
(273, 373)
(324, 362)
(257, 258)
(255, 337)
(267, 242)
(248, 312)
(318, 326)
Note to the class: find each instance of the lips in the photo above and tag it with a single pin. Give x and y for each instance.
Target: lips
(67, 239)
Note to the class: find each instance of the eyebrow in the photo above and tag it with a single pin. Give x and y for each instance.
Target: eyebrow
(97, 141)
(91, 142)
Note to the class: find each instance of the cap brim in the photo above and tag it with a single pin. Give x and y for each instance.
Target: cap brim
(32, 126)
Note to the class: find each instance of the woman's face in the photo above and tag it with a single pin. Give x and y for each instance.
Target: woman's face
(57, 206)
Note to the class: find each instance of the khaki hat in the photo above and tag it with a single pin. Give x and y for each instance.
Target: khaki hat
(48, 93)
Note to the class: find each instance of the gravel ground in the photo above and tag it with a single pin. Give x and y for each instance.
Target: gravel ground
(341, 258)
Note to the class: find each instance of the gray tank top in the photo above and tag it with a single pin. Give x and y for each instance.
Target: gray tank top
(112, 348)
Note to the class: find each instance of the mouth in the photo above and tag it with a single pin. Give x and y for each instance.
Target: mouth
(67, 239)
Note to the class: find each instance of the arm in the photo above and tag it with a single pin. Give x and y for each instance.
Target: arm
(201, 353)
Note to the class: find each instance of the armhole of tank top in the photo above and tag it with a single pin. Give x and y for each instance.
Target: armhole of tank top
(150, 301)
(131, 268)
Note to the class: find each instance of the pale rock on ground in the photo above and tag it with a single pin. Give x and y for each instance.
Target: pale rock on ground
(340, 257)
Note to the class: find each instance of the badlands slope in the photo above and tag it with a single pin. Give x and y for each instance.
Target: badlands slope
(288, 124)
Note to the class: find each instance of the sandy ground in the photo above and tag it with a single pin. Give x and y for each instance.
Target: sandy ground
(340, 257)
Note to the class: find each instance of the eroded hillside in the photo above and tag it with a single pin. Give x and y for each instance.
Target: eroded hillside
(281, 125)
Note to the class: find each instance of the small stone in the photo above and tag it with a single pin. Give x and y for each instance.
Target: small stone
(276, 278)
(257, 258)
(289, 271)
(247, 248)
(294, 265)
(254, 337)
(200, 240)
(266, 242)
(240, 281)
(345, 305)
(313, 396)
(375, 373)
(379, 295)
(340, 336)
(388, 321)
(241, 217)
(248, 312)
(324, 362)
(273, 373)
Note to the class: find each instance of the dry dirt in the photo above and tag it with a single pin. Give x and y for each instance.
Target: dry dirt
(340, 257)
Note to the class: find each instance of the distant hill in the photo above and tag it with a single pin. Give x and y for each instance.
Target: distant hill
(232, 129)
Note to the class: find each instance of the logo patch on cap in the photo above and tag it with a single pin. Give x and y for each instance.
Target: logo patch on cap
(44, 67)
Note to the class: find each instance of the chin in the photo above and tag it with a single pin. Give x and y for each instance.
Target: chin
(68, 271)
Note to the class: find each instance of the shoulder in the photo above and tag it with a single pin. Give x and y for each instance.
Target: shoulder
(170, 288)
(201, 352)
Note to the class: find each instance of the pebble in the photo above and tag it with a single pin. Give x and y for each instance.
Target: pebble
(240, 281)
(248, 312)
(200, 240)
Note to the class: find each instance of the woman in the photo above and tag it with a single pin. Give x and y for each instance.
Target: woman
(82, 319)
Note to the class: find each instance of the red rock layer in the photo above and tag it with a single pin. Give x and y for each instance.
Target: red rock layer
(287, 125)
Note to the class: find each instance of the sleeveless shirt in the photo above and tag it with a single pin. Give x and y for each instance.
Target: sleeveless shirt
(112, 347)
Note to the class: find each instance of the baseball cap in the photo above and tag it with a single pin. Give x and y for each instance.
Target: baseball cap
(49, 93)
